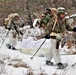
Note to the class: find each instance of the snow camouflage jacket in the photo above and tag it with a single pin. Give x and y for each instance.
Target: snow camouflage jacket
(60, 27)
(18, 24)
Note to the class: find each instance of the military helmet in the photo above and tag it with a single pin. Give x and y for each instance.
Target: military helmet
(16, 15)
(48, 9)
(73, 16)
(61, 10)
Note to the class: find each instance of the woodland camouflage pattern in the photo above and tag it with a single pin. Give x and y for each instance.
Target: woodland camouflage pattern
(60, 27)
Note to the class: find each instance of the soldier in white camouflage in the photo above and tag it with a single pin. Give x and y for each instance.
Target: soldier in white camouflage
(14, 25)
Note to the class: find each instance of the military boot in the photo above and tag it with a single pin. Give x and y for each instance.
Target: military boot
(49, 63)
(13, 48)
(62, 65)
(8, 46)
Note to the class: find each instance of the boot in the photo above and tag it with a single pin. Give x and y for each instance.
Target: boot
(49, 63)
(61, 65)
(8, 46)
(13, 48)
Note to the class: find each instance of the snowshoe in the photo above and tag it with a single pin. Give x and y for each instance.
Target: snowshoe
(49, 63)
(62, 65)
(8, 46)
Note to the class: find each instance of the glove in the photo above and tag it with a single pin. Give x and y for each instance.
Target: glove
(47, 36)
(74, 29)
(58, 37)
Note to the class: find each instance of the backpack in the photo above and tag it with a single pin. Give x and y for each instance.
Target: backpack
(5, 22)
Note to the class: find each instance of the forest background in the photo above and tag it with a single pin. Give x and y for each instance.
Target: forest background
(24, 7)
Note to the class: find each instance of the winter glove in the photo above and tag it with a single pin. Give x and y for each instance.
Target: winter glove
(47, 36)
(58, 37)
(74, 29)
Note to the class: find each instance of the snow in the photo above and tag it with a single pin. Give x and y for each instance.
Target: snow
(18, 63)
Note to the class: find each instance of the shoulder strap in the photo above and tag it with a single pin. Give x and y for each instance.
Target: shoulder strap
(55, 17)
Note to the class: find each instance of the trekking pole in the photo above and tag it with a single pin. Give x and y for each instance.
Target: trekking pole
(74, 64)
(4, 39)
(38, 49)
(75, 41)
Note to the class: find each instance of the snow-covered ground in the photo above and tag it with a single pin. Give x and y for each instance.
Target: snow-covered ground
(19, 63)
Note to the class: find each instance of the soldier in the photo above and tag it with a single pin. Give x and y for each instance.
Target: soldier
(45, 18)
(48, 14)
(70, 39)
(14, 26)
(58, 26)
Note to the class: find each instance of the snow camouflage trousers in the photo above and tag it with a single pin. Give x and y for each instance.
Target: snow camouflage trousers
(14, 34)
